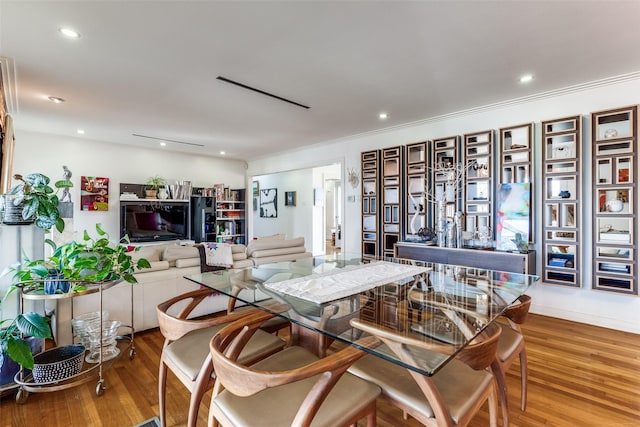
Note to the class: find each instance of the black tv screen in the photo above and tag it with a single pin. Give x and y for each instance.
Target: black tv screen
(154, 221)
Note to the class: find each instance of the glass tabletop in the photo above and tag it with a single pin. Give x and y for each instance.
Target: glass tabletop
(442, 306)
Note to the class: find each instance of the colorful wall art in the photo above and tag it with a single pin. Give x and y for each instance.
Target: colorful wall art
(94, 194)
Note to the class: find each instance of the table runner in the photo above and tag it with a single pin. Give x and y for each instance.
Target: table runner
(340, 283)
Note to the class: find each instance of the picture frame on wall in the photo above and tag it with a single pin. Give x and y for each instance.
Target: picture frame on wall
(269, 203)
(256, 188)
(290, 198)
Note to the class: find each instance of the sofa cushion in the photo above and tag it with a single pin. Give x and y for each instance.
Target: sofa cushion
(243, 263)
(239, 256)
(261, 244)
(187, 262)
(155, 266)
(173, 253)
(218, 254)
(280, 258)
(277, 251)
(279, 236)
(147, 252)
(238, 249)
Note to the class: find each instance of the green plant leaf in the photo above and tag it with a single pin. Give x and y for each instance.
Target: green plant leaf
(33, 325)
(19, 351)
(30, 208)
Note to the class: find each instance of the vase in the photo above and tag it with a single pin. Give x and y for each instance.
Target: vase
(55, 284)
(12, 212)
(441, 223)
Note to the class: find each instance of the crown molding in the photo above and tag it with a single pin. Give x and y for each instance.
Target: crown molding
(498, 105)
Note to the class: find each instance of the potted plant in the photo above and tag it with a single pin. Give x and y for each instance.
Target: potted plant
(74, 264)
(13, 338)
(153, 185)
(33, 199)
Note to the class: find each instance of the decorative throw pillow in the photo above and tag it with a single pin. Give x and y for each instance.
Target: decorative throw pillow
(218, 254)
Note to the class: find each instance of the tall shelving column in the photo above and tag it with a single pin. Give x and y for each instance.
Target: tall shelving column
(370, 166)
(614, 141)
(416, 180)
(516, 162)
(392, 198)
(231, 216)
(479, 182)
(445, 158)
(561, 197)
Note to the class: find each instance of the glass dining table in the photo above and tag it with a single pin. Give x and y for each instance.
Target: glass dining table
(325, 298)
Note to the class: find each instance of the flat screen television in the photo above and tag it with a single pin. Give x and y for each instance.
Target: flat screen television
(154, 221)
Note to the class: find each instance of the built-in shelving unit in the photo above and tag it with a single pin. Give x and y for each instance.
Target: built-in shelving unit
(614, 141)
(370, 165)
(230, 213)
(416, 175)
(516, 161)
(445, 155)
(479, 192)
(393, 195)
(562, 201)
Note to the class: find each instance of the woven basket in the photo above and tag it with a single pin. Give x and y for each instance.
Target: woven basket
(58, 363)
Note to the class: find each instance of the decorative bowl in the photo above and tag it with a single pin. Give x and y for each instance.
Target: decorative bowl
(58, 363)
(614, 205)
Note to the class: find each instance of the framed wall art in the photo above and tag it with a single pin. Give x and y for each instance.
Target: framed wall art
(269, 203)
(290, 198)
(94, 194)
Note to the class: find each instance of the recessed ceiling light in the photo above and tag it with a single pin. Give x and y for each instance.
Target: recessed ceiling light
(222, 153)
(68, 32)
(80, 131)
(526, 78)
(383, 116)
(56, 100)
(163, 144)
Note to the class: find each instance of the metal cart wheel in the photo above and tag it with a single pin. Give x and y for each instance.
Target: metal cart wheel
(100, 388)
(22, 396)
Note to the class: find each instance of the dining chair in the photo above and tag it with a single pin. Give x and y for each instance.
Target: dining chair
(290, 388)
(242, 280)
(186, 348)
(452, 396)
(511, 346)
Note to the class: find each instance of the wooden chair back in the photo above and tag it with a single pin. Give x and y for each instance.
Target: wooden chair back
(242, 380)
(519, 312)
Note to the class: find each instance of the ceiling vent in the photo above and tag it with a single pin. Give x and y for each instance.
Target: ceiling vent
(167, 140)
(262, 92)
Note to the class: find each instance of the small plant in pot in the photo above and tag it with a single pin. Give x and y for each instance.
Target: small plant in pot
(14, 333)
(73, 265)
(153, 186)
(33, 199)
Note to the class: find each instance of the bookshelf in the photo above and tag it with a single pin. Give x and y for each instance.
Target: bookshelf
(231, 215)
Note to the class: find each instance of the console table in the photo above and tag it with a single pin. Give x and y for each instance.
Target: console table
(479, 258)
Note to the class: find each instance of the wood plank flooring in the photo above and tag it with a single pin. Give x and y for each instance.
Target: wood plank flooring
(579, 375)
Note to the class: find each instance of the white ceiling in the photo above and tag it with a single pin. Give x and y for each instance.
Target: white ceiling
(150, 68)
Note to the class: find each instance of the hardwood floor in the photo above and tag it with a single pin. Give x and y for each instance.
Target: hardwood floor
(579, 375)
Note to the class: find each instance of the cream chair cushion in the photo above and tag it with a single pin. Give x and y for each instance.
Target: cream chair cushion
(188, 352)
(397, 382)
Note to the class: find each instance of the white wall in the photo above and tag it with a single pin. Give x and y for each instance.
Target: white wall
(37, 152)
(294, 221)
(583, 305)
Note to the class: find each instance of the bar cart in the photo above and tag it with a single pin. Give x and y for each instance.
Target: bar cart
(90, 371)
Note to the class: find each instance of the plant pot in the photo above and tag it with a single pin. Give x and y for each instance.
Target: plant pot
(55, 284)
(12, 213)
(58, 363)
(150, 194)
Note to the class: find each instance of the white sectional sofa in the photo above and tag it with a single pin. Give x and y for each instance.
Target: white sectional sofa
(170, 263)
